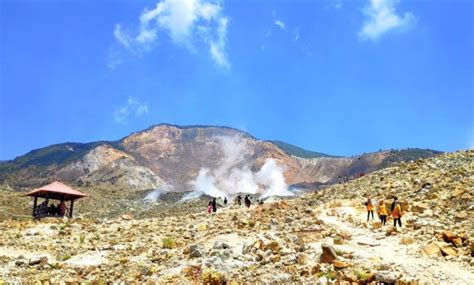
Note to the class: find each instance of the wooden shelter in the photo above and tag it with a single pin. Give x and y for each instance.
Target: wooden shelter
(54, 191)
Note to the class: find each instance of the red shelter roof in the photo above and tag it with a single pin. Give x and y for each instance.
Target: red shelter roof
(56, 190)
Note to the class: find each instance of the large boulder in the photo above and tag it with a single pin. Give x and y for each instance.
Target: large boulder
(448, 236)
(457, 241)
(329, 254)
(431, 250)
(38, 260)
(195, 251)
(446, 249)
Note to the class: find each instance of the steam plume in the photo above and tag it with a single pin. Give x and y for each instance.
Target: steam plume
(153, 195)
(235, 176)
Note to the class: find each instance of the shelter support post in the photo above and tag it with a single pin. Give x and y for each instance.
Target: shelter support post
(34, 206)
(70, 210)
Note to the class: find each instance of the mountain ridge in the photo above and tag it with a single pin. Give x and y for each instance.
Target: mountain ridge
(167, 155)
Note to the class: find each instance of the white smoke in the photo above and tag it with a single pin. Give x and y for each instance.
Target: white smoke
(191, 196)
(153, 196)
(271, 175)
(234, 174)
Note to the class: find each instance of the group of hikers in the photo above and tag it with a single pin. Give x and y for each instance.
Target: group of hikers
(212, 205)
(395, 211)
(53, 210)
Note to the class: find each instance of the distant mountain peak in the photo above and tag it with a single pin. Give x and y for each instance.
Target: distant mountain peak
(172, 155)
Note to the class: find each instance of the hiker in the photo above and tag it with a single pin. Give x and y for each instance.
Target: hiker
(247, 201)
(397, 214)
(393, 204)
(370, 208)
(382, 212)
(209, 207)
(44, 204)
(214, 205)
(53, 210)
(225, 200)
(239, 200)
(62, 208)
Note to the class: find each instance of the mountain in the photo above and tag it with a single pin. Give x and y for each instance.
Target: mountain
(171, 157)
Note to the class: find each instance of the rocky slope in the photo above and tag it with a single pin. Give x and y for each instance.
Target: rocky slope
(170, 157)
(316, 237)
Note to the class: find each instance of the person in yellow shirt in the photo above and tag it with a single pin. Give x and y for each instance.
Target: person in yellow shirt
(382, 212)
(397, 215)
(370, 208)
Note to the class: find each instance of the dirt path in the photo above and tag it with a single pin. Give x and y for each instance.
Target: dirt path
(374, 245)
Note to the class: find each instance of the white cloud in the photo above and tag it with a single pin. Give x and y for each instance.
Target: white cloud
(121, 36)
(381, 17)
(189, 23)
(133, 107)
(280, 24)
(218, 46)
(146, 36)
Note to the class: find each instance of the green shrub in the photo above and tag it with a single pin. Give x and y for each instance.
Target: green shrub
(168, 243)
(340, 252)
(331, 275)
(361, 275)
(63, 257)
(64, 226)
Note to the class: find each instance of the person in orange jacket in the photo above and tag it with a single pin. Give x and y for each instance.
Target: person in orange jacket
(382, 212)
(397, 214)
(370, 208)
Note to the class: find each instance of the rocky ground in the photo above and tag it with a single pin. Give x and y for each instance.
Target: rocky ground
(317, 237)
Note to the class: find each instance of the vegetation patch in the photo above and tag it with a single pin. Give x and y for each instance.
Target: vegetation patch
(168, 243)
(297, 151)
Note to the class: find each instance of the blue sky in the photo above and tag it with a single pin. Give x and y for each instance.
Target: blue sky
(342, 77)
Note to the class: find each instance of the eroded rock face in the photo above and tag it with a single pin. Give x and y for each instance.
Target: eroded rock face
(177, 154)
